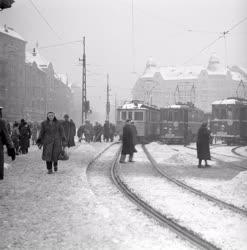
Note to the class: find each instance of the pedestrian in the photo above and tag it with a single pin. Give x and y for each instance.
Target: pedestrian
(52, 138)
(203, 140)
(128, 147)
(87, 131)
(80, 132)
(16, 137)
(112, 131)
(25, 135)
(34, 132)
(72, 133)
(97, 132)
(5, 140)
(69, 131)
(134, 132)
(106, 131)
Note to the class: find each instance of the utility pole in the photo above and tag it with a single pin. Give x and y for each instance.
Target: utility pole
(107, 99)
(84, 85)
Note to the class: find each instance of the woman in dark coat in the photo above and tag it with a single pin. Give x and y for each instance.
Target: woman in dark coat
(52, 138)
(128, 143)
(203, 140)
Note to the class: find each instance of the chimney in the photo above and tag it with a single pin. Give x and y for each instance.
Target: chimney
(5, 28)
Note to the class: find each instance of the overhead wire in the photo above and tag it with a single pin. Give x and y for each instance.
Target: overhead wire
(222, 35)
(44, 19)
(60, 44)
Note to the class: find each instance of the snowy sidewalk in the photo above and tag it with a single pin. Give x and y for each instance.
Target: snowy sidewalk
(41, 211)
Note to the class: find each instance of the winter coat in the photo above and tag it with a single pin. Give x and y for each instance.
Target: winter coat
(134, 133)
(80, 131)
(128, 143)
(25, 135)
(51, 138)
(203, 140)
(69, 131)
(4, 140)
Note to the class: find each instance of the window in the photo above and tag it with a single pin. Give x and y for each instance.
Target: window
(138, 116)
(176, 116)
(123, 115)
(223, 113)
(169, 115)
(130, 115)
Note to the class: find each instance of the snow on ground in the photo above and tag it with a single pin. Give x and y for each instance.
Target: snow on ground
(133, 229)
(224, 228)
(226, 183)
(58, 211)
(242, 151)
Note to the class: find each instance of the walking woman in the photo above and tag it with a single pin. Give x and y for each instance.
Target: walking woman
(203, 140)
(52, 138)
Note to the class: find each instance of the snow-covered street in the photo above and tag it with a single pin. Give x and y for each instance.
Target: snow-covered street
(75, 209)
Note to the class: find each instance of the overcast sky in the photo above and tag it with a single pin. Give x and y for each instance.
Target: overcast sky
(160, 31)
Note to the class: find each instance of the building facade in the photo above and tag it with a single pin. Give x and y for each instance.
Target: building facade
(200, 85)
(12, 73)
(29, 86)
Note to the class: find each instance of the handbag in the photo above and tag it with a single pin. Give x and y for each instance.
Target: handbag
(63, 156)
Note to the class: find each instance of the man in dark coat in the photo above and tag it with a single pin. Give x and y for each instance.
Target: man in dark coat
(25, 135)
(69, 131)
(52, 138)
(134, 132)
(203, 140)
(128, 143)
(5, 140)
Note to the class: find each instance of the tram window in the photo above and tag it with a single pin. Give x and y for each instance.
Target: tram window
(130, 115)
(138, 116)
(123, 115)
(229, 114)
(170, 115)
(223, 114)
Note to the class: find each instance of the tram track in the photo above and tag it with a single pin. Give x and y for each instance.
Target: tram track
(164, 220)
(213, 157)
(234, 151)
(191, 189)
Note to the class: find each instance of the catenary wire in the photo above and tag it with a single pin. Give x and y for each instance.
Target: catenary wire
(43, 18)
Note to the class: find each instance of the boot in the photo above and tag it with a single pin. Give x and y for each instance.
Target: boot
(122, 158)
(131, 158)
(55, 166)
(49, 171)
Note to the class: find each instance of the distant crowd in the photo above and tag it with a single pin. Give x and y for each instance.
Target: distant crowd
(52, 135)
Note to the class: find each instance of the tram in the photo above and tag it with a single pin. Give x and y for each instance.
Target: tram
(145, 117)
(180, 123)
(229, 120)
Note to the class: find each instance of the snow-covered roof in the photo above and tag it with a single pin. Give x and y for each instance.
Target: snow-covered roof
(10, 32)
(37, 58)
(132, 106)
(213, 68)
(62, 77)
(236, 76)
(226, 102)
(180, 72)
(176, 106)
(150, 69)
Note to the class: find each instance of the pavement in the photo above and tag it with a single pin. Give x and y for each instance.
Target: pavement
(41, 211)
